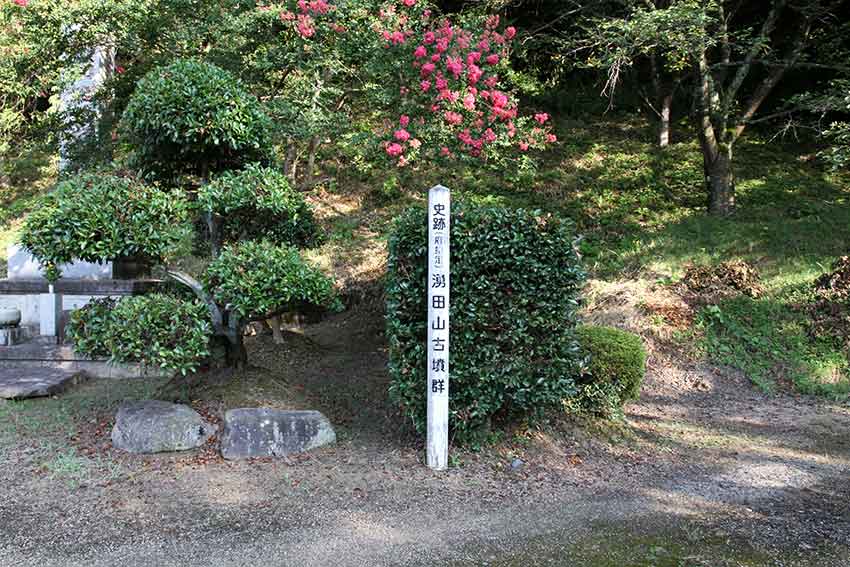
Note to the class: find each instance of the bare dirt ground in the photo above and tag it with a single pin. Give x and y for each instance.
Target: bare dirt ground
(704, 471)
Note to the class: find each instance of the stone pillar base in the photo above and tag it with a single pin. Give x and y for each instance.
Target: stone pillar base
(12, 336)
(49, 314)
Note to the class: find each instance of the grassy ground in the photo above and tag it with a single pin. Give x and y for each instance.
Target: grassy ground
(641, 214)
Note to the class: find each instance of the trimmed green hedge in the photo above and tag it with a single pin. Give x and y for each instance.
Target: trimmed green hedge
(617, 364)
(194, 117)
(101, 217)
(157, 330)
(516, 278)
(256, 280)
(258, 203)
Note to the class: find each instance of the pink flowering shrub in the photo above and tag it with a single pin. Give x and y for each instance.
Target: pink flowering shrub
(451, 100)
(307, 17)
(437, 86)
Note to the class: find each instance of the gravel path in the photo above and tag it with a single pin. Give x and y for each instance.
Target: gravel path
(706, 471)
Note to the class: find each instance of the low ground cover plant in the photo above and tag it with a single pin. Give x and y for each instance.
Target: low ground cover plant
(614, 373)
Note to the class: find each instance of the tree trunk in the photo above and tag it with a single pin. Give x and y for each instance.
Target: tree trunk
(311, 162)
(289, 164)
(215, 226)
(664, 124)
(5, 179)
(720, 182)
(274, 323)
(237, 355)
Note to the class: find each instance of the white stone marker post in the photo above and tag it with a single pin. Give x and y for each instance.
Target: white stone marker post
(438, 327)
(49, 313)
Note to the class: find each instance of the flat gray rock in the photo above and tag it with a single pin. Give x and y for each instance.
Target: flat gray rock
(20, 383)
(264, 432)
(152, 426)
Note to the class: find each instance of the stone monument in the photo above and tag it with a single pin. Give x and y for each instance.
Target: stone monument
(81, 112)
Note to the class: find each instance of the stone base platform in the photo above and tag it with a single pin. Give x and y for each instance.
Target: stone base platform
(20, 383)
(44, 353)
(10, 336)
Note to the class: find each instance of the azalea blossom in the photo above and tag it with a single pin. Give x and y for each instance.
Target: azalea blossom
(541, 117)
(395, 150)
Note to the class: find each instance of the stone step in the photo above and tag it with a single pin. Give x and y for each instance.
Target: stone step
(21, 383)
(44, 353)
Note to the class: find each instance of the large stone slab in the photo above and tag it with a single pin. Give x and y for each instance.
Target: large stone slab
(20, 383)
(153, 426)
(43, 352)
(265, 432)
(22, 266)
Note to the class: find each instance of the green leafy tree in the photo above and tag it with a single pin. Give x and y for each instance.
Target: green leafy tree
(45, 46)
(306, 60)
(832, 109)
(256, 203)
(103, 217)
(194, 117)
(254, 281)
(156, 330)
(653, 36)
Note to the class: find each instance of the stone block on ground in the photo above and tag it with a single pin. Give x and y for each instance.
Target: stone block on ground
(20, 383)
(153, 426)
(265, 432)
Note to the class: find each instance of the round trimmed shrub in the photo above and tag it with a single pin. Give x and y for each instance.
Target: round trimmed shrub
(258, 203)
(256, 280)
(194, 117)
(156, 329)
(516, 278)
(616, 366)
(99, 218)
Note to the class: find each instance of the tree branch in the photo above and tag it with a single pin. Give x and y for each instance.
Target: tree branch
(758, 45)
(767, 85)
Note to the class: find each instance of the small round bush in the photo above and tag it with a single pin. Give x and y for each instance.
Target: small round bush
(617, 364)
(258, 203)
(101, 217)
(257, 280)
(194, 117)
(516, 279)
(156, 329)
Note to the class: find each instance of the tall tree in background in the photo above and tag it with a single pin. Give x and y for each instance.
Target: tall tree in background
(730, 56)
(659, 36)
(734, 52)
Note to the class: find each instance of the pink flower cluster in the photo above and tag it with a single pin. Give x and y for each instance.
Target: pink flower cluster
(305, 19)
(453, 89)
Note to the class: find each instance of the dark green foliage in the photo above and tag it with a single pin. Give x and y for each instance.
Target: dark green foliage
(100, 217)
(258, 203)
(194, 117)
(617, 364)
(516, 279)
(256, 280)
(157, 330)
